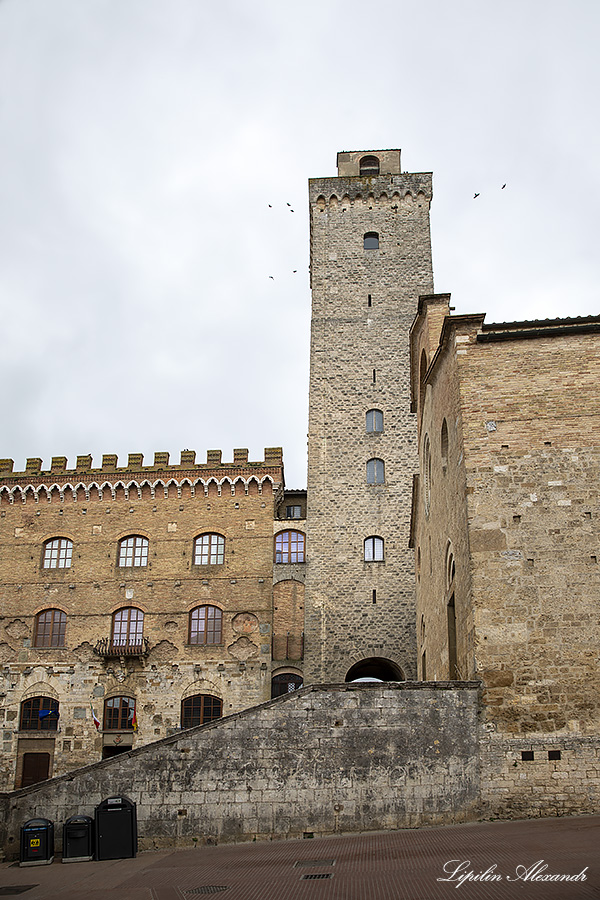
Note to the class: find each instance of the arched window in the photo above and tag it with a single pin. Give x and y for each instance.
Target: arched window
(450, 567)
(285, 683)
(39, 714)
(374, 549)
(119, 714)
(58, 553)
(374, 421)
(289, 547)
(200, 709)
(206, 625)
(375, 471)
(369, 166)
(209, 550)
(128, 627)
(371, 241)
(50, 626)
(444, 445)
(133, 551)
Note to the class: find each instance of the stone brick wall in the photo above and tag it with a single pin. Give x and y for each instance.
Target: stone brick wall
(95, 509)
(323, 760)
(364, 302)
(524, 476)
(539, 775)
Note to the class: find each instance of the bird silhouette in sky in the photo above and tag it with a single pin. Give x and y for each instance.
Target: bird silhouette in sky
(475, 195)
(503, 186)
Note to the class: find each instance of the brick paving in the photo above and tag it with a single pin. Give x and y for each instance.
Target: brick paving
(400, 865)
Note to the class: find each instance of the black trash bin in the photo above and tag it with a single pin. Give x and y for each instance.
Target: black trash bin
(116, 828)
(78, 839)
(37, 843)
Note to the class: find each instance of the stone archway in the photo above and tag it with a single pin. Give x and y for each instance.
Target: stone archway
(375, 669)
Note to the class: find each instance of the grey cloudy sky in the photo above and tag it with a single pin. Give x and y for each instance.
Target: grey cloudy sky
(141, 142)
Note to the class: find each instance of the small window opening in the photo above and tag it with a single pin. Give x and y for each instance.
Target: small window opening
(374, 375)
(374, 596)
(374, 421)
(444, 445)
(369, 300)
(369, 166)
(554, 754)
(375, 471)
(371, 240)
(527, 755)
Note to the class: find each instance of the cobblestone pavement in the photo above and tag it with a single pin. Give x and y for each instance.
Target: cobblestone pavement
(505, 859)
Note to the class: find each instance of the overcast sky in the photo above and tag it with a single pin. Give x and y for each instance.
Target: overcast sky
(141, 142)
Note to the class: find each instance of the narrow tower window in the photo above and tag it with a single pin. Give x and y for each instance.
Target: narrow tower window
(374, 549)
(444, 445)
(371, 241)
(374, 421)
(375, 471)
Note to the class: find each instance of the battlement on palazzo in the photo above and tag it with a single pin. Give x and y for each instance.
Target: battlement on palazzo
(135, 463)
(111, 480)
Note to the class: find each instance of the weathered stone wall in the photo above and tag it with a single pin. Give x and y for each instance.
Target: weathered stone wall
(440, 528)
(364, 302)
(325, 759)
(539, 775)
(526, 401)
(95, 508)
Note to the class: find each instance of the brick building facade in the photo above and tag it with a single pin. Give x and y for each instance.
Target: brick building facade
(149, 597)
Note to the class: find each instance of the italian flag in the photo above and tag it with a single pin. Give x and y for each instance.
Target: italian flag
(95, 718)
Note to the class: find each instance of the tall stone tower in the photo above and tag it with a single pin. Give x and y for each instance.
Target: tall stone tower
(370, 261)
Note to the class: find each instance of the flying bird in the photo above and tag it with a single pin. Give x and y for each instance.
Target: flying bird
(270, 276)
(503, 186)
(288, 204)
(270, 207)
(475, 195)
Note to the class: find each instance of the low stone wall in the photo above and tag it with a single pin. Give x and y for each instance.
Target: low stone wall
(539, 775)
(327, 758)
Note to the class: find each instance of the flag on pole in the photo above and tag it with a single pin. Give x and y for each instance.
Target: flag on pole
(134, 721)
(95, 718)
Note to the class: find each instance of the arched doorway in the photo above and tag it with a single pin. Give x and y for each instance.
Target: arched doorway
(375, 669)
